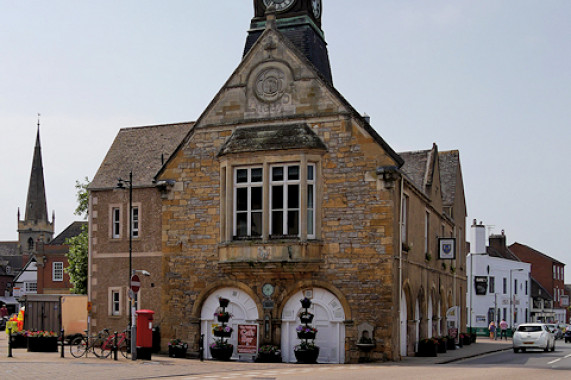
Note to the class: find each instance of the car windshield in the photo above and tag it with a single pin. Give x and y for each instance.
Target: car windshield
(529, 328)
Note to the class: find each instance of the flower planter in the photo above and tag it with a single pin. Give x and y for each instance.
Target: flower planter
(306, 318)
(177, 352)
(450, 344)
(466, 340)
(222, 333)
(427, 349)
(365, 347)
(19, 341)
(222, 353)
(223, 302)
(307, 356)
(264, 357)
(42, 344)
(442, 346)
(223, 318)
(306, 335)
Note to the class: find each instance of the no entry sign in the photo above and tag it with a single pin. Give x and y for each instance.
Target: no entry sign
(135, 283)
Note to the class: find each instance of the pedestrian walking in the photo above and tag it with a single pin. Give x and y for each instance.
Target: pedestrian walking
(3, 311)
(504, 329)
(492, 328)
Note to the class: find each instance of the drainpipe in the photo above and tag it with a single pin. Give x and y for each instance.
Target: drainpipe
(400, 257)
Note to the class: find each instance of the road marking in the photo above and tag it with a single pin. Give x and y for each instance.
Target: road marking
(554, 361)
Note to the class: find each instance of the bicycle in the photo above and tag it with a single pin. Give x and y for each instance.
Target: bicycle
(82, 344)
(123, 345)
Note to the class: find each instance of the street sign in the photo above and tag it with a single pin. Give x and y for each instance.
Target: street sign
(135, 283)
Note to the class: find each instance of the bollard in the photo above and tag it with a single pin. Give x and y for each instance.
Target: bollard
(62, 343)
(115, 346)
(201, 348)
(10, 342)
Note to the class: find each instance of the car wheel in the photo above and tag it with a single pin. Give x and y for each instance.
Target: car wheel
(516, 350)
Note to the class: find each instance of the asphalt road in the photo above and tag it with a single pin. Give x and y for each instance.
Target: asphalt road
(560, 359)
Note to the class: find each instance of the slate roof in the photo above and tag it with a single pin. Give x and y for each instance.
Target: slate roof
(516, 246)
(274, 137)
(538, 291)
(449, 162)
(142, 150)
(414, 167)
(9, 248)
(10, 256)
(72, 230)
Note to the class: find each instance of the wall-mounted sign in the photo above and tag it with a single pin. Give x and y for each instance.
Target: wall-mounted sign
(247, 339)
(481, 285)
(446, 248)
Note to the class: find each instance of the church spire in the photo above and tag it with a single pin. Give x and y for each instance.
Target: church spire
(36, 205)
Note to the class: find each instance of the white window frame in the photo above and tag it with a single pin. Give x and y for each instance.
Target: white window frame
(135, 221)
(284, 184)
(57, 271)
(31, 287)
(249, 211)
(115, 306)
(116, 222)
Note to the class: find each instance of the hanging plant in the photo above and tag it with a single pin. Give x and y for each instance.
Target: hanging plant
(428, 256)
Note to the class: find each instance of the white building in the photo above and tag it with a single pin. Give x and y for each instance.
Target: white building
(499, 285)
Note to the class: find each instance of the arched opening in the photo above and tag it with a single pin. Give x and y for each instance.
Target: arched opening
(403, 324)
(329, 317)
(242, 307)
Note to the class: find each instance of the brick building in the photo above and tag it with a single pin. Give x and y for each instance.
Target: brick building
(549, 274)
(280, 190)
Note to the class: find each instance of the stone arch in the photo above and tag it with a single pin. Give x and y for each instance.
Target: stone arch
(422, 316)
(244, 310)
(307, 284)
(407, 323)
(197, 307)
(329, 321)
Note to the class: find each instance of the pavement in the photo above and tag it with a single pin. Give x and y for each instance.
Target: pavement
(35, 365)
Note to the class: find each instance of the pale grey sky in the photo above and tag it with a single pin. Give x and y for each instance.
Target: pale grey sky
(489, 78)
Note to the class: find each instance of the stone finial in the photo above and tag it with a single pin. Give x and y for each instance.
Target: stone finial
(271, 17)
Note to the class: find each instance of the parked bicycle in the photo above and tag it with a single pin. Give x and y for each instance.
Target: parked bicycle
(123, 345)
(82, 344)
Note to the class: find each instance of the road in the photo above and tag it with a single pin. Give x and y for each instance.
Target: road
(560, 359)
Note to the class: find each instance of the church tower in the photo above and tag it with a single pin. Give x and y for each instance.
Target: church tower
(35, 227)
(300, 22)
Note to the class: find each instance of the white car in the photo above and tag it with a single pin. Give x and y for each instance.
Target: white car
(533, 336)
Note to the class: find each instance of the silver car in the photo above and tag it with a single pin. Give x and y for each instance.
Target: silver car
(533, 336)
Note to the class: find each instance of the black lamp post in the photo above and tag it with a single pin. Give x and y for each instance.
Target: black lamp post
(121, 185)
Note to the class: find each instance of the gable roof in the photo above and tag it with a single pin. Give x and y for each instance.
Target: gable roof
(74, 229)
(449, 163)
(142, 150)
(318, 76)
(516, 246)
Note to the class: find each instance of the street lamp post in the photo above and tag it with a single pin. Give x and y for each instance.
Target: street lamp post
(131, 322)
(512, 301)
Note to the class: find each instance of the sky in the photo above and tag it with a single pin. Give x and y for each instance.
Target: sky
(489, 78)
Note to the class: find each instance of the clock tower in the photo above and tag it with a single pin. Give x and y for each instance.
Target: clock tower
(300, 22)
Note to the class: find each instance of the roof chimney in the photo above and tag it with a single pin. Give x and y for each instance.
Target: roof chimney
(477, 238)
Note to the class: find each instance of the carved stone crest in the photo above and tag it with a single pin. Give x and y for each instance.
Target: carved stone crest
(270, 85)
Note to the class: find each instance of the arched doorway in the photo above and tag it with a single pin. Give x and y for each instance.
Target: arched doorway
(403, 324)
(329, 317)
(242, 307)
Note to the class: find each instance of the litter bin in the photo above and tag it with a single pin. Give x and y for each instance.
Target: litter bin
(144, 334)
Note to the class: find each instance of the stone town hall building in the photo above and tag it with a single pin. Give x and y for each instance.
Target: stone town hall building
(280, 190)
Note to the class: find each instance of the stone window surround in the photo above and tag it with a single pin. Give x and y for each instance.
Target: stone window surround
(266, 159)
(112, 311)
(119, 206)
(57, 273)
(137, 205)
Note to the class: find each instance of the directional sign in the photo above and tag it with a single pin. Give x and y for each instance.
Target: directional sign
(135, 283)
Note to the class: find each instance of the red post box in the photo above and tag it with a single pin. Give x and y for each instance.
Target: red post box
(144, 333)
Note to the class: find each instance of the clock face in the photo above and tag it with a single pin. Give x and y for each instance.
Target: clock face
(316, 7)
(268, 289)
(281, 5)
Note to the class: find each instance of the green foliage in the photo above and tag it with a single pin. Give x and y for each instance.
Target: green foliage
(82, 198)
(77, 258)
(78, 245)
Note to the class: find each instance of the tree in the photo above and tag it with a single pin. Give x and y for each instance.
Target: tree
(78, 245)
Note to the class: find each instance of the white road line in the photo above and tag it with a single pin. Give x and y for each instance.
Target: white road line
(554, 361)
